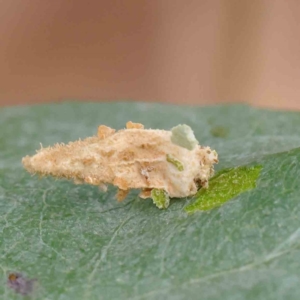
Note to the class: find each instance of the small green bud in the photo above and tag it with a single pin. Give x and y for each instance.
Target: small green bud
(160, 198)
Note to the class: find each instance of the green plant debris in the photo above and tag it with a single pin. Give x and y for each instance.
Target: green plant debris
(219, 131)
(160, 198)
(183, 136)
(175, 162)
(224, 186)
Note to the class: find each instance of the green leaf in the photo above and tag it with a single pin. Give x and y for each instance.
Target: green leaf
(79, 243)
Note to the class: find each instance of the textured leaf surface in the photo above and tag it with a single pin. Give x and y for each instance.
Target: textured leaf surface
(79, 243)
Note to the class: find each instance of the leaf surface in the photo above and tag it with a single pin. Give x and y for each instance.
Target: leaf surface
(79, 243)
